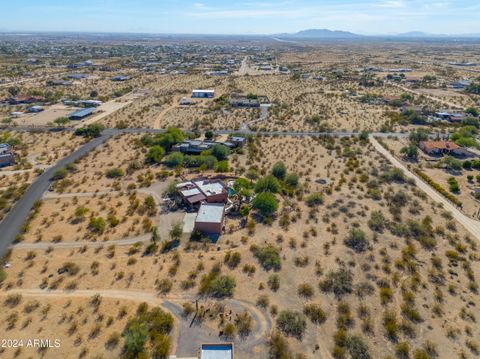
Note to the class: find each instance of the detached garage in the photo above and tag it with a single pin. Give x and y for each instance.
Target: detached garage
(210, 218)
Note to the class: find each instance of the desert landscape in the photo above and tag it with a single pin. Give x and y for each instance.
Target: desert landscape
(268, 198)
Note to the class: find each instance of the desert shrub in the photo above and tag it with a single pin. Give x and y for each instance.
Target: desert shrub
(377, 221)
(268, 256)
(274, 282)
(358, 348)
(164, 285)
(90, 131)
(402, 350)
(291, 180)
(339, 282)
(97, 225)
(232, 260)
(216, 285)
(315, 313)
(148, 326)
(114, 173)
(390, 324)
(291, 323)
(243, 324)
(13, 300)
(394, 175)
(305, 290)
(357, 240)
(315, 199)
(278, 347)
(70, 268)
(59, 174)
(279, 170)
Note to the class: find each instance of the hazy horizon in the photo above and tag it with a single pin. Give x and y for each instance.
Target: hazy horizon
(214, 17)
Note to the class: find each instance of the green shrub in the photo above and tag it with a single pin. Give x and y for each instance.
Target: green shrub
(357, 240)
(279, 170)
(114, 173)
(315, 313)
(268, 256)
(267, 184)
(314, 200)
(339, 282)
(265, 203)
(291, 323)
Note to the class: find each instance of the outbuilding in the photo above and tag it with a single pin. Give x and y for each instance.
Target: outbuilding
(203, 93)
(210, 218)
(81, 114)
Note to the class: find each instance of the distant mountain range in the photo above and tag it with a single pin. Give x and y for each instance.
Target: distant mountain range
(338, 34)
(321, 34)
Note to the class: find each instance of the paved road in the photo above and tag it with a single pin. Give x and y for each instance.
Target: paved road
(11, 225)
(470, 224)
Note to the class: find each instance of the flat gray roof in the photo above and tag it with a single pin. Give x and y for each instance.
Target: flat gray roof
(210, 213)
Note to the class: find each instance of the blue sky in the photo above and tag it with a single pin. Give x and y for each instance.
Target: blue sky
(241, 16)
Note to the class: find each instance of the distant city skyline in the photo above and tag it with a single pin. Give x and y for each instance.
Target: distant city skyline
(368, 17)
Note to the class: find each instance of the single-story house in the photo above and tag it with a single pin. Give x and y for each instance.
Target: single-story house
(120, 78)
(77, 76)
(7, 157)
(460, 85)
(81, 114)
(210, 218)
(203, 93)
(440, 147)
(35, 109)
(450, 116)
(24, 99)
(195, 192)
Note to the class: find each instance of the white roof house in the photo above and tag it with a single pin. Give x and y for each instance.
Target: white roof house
(211, 188)
(211, 213)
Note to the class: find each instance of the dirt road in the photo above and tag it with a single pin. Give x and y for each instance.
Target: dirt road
(186, 339)
(470, 225)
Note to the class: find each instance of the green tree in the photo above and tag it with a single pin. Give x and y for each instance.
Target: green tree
(410, 151)
(418, 135)
(472, 111)
(175, 159)
(155, 154)
(209, 135)
(267, 184)
(220, 152)
(61, 121)
(265, 203)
